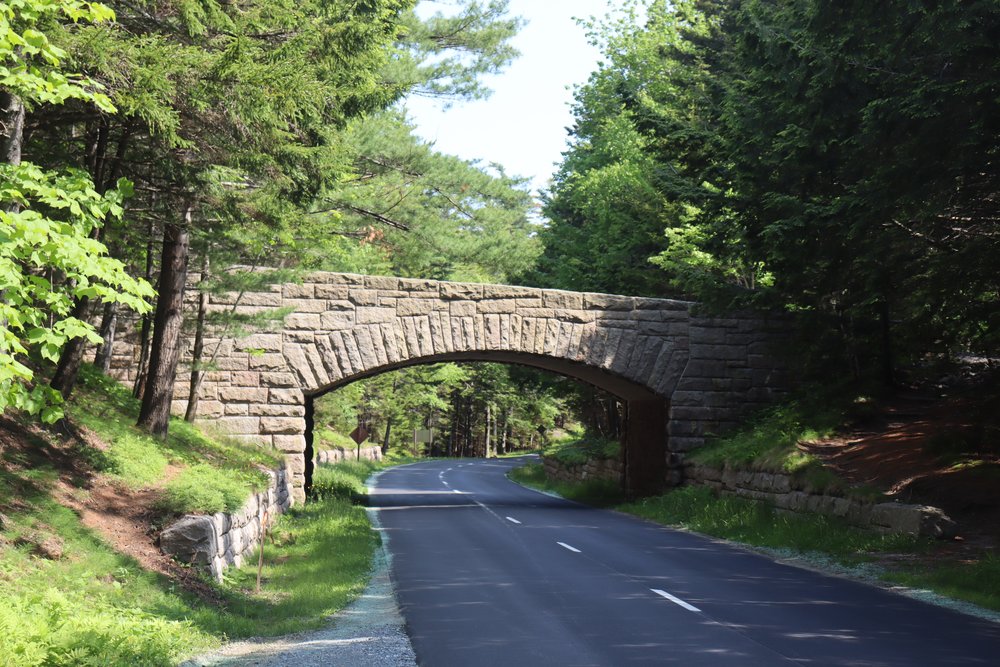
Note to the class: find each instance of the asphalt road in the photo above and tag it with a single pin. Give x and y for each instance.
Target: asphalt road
(490, 573)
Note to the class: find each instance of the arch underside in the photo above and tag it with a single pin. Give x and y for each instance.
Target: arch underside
(620, 387)
(644, 440)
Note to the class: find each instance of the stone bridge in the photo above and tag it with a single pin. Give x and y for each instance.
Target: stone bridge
(682, 376)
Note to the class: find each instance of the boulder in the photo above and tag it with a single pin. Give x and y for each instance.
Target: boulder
(190, 539)
(922, 520)
(935, 523)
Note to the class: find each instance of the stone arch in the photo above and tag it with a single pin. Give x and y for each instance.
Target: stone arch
(634, 348)
(682, 375)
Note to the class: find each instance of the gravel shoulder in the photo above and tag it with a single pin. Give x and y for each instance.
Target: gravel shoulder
(369, 632)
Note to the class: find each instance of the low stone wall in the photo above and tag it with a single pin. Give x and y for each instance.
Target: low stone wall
(609, 469)
(781, 491)
(338, 454)
(216, 541)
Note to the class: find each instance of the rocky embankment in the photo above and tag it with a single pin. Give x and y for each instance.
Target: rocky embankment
(786, 494)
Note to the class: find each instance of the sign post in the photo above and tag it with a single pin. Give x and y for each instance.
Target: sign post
(422, 435)
(359, 435)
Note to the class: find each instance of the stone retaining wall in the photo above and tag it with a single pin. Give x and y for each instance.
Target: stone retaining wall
(216, 541)
(782, 491)
(607, 469)
(338, 454)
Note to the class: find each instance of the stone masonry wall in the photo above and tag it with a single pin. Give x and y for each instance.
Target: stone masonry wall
(606, 469)
(731, 370)
(337, 454)
(781, 491)
(708, 371)
(216, 541)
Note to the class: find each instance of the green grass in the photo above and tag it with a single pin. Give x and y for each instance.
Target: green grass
(134, 459)
(214, 473)
(95, 606)
(319, 562)
(977, 582)
(531, 475)
(596, 492)
(759, 524)
(92, 605)
(346, 480)
(325, 438)
(770, 442)
(575, 447)
(206, 489)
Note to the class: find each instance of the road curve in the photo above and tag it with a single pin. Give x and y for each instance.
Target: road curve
(490, 573)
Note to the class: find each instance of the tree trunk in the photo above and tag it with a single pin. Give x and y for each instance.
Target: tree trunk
(71, 358)
(469, 449)
(455, 417)
(13, 124)
(508, 430)
(109, 326)
(486, 446)
(97, 151)
(68, 368)
(385, 439)
(199, 346)
(154, 415)
(139, 388)
(496, 432)
(888, 364)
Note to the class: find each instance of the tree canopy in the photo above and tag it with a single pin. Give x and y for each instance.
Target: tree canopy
(836, 161)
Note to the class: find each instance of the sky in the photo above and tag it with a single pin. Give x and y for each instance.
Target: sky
(522, 126)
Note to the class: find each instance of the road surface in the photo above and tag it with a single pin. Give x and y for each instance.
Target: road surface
(490, 573)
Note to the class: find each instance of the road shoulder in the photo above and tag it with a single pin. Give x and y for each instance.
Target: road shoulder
(369, 632)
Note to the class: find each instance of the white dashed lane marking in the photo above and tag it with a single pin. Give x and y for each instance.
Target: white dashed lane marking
(513, 520)
(566, 546)
(676, 600)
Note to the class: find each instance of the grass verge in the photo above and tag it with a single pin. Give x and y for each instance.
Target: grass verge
(759, 524)
(575, 447)
(770, 442)
(325, 438)
(318, 560)
(596, 492)
(978, 582)
(68, 599)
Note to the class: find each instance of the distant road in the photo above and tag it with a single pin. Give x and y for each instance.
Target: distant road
(490, 573)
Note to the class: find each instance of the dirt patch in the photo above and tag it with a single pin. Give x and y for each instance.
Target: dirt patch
(941, 451)
(127, 519)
